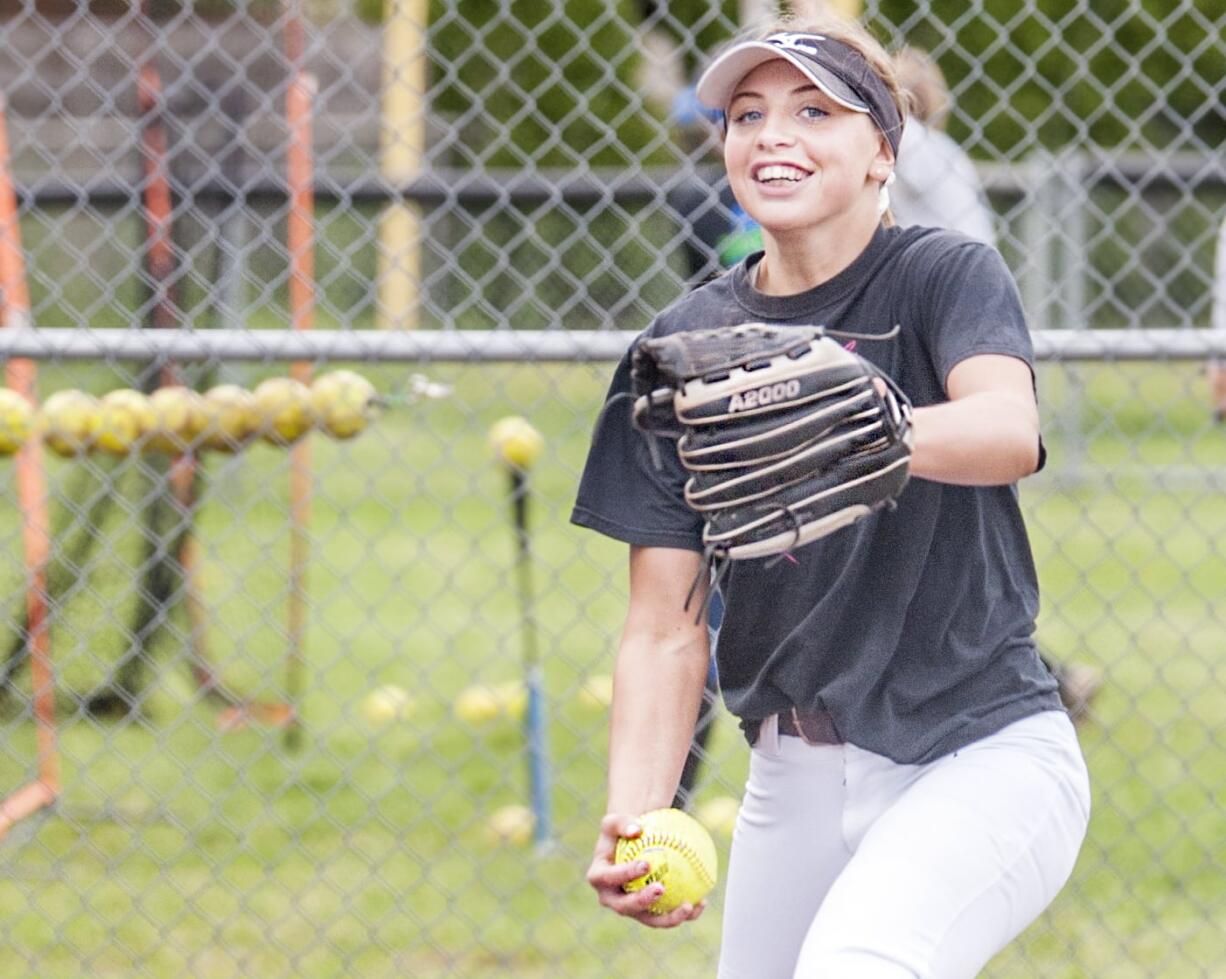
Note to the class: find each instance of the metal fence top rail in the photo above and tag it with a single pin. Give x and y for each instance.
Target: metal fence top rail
(478, 346)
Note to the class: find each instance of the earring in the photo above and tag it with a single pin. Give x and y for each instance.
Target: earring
(883, 195)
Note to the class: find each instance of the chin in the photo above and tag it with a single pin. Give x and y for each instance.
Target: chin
(785, 224)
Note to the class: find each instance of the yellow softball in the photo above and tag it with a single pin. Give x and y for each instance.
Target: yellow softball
(343, 402)
(231, 417)
(180, 417)
(516, 442)
(284, 405)
(125, 418)
(16, 420)
(69, 421)
(680, 854)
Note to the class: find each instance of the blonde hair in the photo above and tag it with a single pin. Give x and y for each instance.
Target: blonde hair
(924, 82)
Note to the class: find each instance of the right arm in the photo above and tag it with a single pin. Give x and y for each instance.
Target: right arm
(658, 681)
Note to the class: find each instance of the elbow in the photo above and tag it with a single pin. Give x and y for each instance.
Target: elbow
(1032, 453)
(691, 652)
(1028, 463)
(1019, 443)
(679, 643)
(1023, 453)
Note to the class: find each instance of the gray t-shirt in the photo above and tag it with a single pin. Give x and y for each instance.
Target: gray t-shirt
(913, 627)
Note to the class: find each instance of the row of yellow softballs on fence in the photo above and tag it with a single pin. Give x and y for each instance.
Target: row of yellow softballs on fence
(225, 418)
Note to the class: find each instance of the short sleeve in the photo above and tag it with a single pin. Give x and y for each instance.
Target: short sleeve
(621, 492)
(971, 306)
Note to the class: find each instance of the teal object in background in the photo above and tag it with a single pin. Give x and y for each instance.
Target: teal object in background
(744, 239)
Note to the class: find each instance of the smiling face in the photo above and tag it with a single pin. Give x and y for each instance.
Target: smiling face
(796, 159)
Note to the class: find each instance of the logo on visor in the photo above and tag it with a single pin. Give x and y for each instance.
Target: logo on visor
(797, 42)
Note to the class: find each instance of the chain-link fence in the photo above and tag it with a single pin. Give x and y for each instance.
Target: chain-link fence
(291, 710)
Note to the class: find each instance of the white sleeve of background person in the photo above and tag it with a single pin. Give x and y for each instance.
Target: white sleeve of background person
(937, 185)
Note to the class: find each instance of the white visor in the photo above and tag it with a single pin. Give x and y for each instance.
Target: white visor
(719, 81)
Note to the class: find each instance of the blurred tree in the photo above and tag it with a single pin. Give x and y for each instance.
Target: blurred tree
(548, 84)
(555, 84)
(1116, 73)
(698, 27)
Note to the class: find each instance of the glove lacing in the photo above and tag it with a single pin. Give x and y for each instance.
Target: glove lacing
(653, 449)
(714, 568)
(716, 562)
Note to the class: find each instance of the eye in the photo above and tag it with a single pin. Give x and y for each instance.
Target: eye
(749, 115)
(813, 112)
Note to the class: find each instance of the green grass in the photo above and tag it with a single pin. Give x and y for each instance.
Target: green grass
(181, 850)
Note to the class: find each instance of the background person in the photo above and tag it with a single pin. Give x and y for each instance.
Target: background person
(937, 185)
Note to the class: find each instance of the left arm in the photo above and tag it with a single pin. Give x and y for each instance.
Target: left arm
(987, 434)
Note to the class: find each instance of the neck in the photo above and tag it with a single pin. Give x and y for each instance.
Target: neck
(800, 260)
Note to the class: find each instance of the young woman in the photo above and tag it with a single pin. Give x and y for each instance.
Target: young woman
(916, 793)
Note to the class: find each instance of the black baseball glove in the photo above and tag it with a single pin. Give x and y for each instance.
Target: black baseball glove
(787, 435)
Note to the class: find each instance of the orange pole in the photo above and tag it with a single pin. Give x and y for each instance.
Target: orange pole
(21, 375)
(299, 98)
(157, 201)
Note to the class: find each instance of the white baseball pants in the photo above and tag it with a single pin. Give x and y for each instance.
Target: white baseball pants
(846, 865)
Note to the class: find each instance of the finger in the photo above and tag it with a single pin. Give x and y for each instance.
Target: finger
(615, 896)
(616, 876)
(612, 828)
(636, 904)
(615, 825)
(678, 916)
(673, 918)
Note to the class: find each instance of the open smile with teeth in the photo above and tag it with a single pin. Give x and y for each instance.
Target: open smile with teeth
(779, 174)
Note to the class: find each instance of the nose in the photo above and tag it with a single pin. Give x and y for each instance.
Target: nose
(775, 131)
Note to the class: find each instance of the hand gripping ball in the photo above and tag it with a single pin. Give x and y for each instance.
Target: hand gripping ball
(680, 853)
